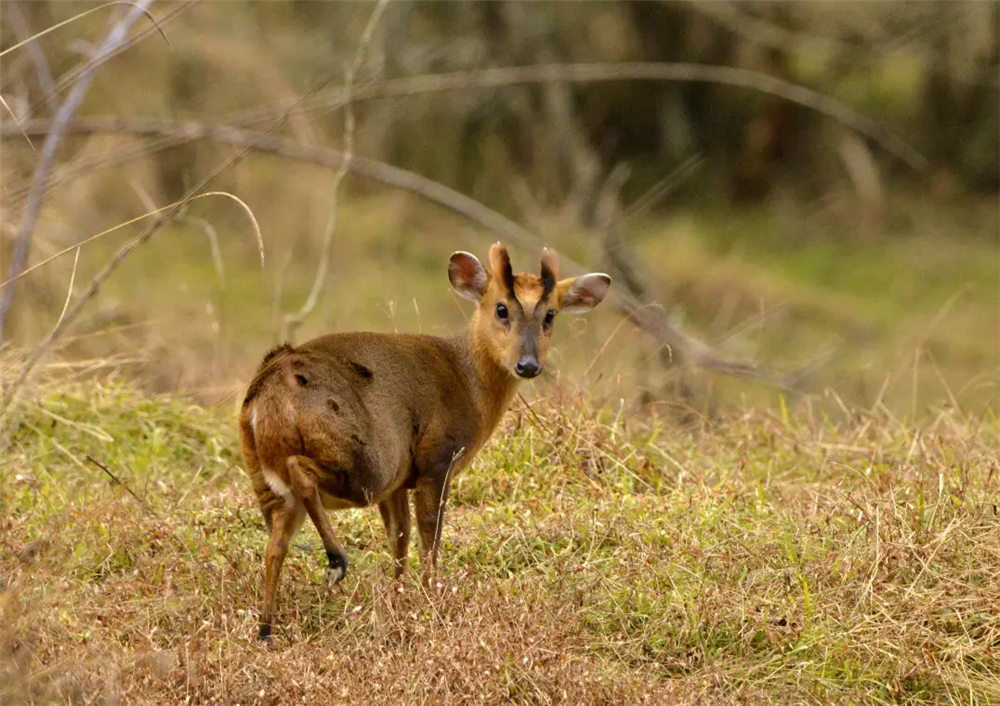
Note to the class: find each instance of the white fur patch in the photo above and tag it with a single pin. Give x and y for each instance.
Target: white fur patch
(333, 576)
(278, 486)
(253, 420)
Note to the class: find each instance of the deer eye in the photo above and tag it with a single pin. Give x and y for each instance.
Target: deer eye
(549, 315)
(501, 312)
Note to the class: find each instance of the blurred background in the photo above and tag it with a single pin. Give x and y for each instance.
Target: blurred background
(810, 190)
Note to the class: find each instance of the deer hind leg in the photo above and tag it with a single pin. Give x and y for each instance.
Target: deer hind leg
(285, 522)
(395, 512)
(302, 474)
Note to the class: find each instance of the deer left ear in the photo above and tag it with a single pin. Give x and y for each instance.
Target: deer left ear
(583, 293)
(467, 275)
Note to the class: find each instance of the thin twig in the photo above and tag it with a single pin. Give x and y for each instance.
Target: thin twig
(534, 416)
(663, 188)
(155, 26)
(29, 215)
(444, 496)
(24, 36)
(293, 321)
(17, 122)
(120, 482)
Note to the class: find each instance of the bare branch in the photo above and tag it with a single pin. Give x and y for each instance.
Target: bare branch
(24, 36)
(267, 142)
(293, 321)
(602, 73)
(650, 319)
(29, 215)
(632, 293)
(168, 215)
(79, 16)
(493, 78)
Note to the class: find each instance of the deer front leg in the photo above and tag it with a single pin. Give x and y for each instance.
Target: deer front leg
(302, 474)
(435, 471)
(396, 515)
(429, 500)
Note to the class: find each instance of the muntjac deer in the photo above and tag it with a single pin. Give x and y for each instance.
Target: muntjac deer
(354, 419)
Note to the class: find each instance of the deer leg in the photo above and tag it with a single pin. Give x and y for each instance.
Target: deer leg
(396, 515)
(285, 522)
(302, 474)
(429, 500)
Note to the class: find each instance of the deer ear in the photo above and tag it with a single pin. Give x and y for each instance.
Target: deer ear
(583, 293)
(467, 276)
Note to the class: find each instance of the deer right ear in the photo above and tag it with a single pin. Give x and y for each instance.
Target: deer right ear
(467, 276)
(583, 293)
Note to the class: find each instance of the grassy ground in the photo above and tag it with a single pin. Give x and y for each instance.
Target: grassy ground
(768, 558)
(781, 550)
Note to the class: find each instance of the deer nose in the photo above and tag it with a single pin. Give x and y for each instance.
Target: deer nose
(528, 367)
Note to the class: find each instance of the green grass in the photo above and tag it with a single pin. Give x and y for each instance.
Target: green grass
(906, 317)
(793, 557)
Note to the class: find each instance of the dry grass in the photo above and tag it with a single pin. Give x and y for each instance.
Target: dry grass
(778, 558)
(817, 554)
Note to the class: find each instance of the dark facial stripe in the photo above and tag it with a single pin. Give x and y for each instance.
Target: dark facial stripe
(548, 281)
(506, 273)
(550, 272)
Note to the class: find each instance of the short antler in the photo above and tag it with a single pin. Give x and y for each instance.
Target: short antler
(500, 264)
(550, 269)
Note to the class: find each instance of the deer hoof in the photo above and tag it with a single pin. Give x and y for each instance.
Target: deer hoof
(337, 569)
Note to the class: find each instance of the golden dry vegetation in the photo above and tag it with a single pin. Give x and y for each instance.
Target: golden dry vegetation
(639, 531)
(588, 558)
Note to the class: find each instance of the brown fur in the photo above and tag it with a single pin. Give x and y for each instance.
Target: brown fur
(355, 419)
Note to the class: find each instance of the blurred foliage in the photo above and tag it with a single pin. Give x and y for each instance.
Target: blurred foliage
(791, 236)
(926, 71)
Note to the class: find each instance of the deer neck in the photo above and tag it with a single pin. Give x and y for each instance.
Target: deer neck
(494, 385)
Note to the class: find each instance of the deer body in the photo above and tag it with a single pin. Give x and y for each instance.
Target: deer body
(355, 419)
